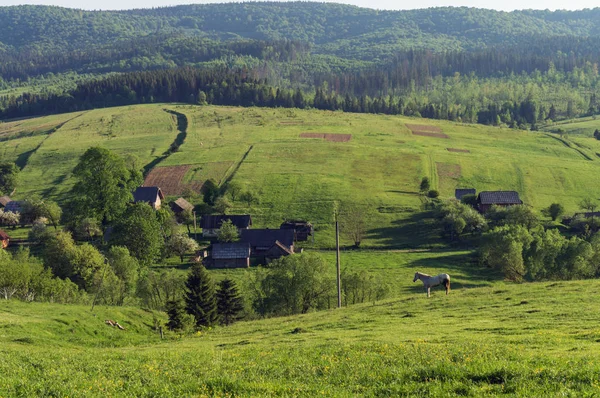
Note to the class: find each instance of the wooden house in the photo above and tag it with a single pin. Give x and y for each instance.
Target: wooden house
(229, 255)
(14, 206)
(4, 200)
(150, 195)
(487, 199)
(211, 224)
(269, 244)
(4, 239)
(460, 192)
(302, 229)
(181, 205)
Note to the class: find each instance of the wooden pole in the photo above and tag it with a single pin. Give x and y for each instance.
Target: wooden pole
(339, 273)
(195, 234)
(100, 285)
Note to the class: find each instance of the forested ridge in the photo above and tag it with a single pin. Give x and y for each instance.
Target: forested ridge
(460, 63)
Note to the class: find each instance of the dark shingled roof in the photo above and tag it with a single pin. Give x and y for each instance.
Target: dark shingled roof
(147, 194)
(14, 206)
(460, 192)
(499, 198)
(268, 237)
(182, 204)
(225, 251)
(3, 235)
(214, 222)
(4, 200)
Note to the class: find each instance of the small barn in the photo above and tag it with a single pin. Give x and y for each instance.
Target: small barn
(302, 229)
(229, 255)
(269, 244)
(487, 199)
(4, 200)
(460, 192)
(14, 206)
(181, 205)
(150, 195)
(4, 239)
(211, 224)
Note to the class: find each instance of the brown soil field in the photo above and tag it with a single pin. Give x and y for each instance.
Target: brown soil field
(448, 170)
(458, 150)
(424, 128)
(328, 136)
(428, 134)
(169, 180)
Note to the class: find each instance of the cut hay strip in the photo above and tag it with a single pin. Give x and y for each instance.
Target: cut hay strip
(424, 128)
(458, 150)
(428, 134)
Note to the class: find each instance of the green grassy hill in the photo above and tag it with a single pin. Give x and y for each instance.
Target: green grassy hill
(528, 340)
(379, 168)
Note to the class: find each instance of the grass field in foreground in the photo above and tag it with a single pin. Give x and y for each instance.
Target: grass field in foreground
(379, 168)
(538, 339)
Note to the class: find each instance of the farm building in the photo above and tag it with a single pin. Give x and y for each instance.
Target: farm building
(181, 205)
(487, 199)
(460, 192)
(269, 244)
(229, 255)
(302, 229)
(14, 206)
(211, 224)
(4, 239)
(150, 195)
(4, 200)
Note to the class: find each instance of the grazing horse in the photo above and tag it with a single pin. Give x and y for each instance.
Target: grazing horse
(431, 281)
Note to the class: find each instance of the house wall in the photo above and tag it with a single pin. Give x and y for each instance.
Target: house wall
(231, 263)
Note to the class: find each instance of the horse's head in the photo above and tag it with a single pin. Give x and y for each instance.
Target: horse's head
(416, 277)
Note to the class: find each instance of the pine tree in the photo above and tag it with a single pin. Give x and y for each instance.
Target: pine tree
(200, 296)
(175, 312)
(229, 303)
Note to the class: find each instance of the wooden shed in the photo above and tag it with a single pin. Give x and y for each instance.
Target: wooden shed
(150, 195)
(211, 224)
(460, 192)
(487, 199)
(4, 200)
(180, 205)
(229, 255)
(302, 229)
(269, 244)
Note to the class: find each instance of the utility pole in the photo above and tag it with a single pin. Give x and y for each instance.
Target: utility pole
(195, 234)
(100, 284)
(339, 273)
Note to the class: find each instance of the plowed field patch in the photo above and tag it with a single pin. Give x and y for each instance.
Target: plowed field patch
(170, 180)
(328, 136)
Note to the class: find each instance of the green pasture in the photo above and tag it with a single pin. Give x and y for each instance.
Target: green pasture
(538, 339)
(379, 169)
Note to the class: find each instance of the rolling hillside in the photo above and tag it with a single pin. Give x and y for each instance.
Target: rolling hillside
(528, 340)
(303, 163)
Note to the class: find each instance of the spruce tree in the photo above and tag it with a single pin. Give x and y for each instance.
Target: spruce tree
(175, 313)
(229, 303)
(200, 298)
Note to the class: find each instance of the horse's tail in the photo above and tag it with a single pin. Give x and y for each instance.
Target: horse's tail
(447, 284)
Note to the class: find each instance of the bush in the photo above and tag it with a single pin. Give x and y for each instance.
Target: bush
(433, 194)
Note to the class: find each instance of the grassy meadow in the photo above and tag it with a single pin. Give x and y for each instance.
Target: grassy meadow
(505, 339)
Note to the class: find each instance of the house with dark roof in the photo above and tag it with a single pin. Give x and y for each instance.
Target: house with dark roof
(487, 199)
(211, 224)
(180, 205)
(150, 195)
(302, 229)
(229, 255)
(4, 239)
(14, 206)
(269, 244)
(4, 200)
(460, 192)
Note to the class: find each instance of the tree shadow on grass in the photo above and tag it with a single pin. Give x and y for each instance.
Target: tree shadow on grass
(417, 231)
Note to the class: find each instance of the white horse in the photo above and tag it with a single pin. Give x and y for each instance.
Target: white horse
(431, 281)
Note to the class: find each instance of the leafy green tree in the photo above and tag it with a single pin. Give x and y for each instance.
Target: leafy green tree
(9, 177)
(554, 211)
(9, 218)
(234, 189)
(353, 222)
(39, 233)
(211, 191)
(103, 186)
(229, 302)
(200, 297)
(425, 185)
(186, 217)
(228, 232)
(590, 205)
(433, 194)
(296, 284)
(249, 198)
(181, 245)
(140, 231)
(222, 204)
(126, 268)
(88, 228)
(470, 199)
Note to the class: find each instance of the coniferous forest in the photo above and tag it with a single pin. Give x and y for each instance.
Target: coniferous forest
(518, 69)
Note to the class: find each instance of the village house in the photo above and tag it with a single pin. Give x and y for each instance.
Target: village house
(487, 199)
(4, 239)
(4, 200)
(14, 206)
(269, 244)
(181, 205)
(229, 255)
(211, 224)
(150, 195)
(460, 192)
(302, 229)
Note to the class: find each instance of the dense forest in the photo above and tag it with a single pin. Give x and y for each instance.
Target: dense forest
(452, 63)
